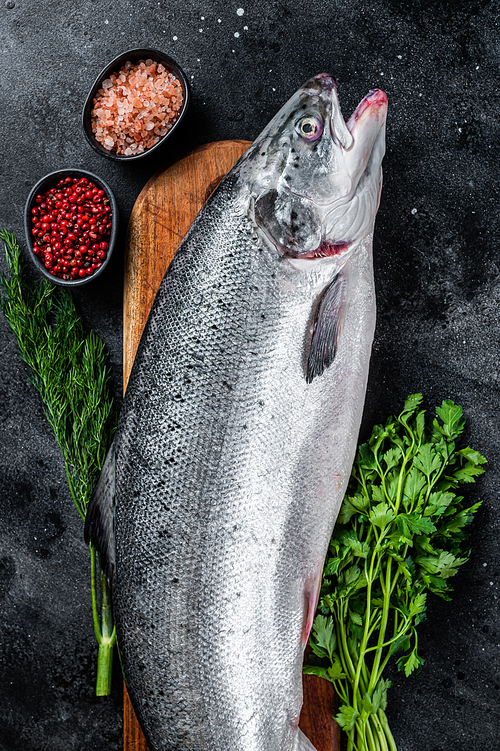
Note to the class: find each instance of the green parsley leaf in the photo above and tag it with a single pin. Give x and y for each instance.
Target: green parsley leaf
(325, 639)
(452, 417)
(410, 663)
(381, 515)
(427, 460)
(346, 717)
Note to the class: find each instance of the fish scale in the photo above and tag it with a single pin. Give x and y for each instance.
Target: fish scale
(230, 464)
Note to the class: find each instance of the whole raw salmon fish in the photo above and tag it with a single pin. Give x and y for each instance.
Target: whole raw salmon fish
(238, 431)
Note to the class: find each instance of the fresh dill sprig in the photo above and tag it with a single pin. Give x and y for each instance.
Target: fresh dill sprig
(69, 369)
(400, 535)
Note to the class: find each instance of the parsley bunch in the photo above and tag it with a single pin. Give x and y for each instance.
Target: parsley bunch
(399, 535)
(69, 370)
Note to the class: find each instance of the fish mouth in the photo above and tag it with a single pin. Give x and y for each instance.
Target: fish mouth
(376, 99)
(326, 249)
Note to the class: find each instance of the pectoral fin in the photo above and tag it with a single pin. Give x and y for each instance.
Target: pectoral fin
(100, 518)
(326, 327)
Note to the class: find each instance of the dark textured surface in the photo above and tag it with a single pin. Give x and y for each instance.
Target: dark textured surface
(438, 285)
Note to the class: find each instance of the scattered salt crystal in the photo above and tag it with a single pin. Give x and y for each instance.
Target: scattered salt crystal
(240, 12)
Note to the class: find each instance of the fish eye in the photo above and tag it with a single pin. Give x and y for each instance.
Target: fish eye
(309, 128)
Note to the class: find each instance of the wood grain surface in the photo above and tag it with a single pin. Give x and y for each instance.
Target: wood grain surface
(161, 217)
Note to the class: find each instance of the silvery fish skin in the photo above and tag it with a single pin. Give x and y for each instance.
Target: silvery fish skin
(238, 431)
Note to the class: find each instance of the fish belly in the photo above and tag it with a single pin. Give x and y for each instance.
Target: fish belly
(230, 472)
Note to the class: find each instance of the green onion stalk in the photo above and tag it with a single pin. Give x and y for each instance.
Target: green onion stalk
(69, 370)
(400, 536)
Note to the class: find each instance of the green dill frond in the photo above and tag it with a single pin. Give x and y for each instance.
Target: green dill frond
(67, 367)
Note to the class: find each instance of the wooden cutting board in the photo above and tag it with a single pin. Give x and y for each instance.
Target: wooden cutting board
(161, 217)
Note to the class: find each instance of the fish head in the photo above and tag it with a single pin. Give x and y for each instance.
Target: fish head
(314, 179)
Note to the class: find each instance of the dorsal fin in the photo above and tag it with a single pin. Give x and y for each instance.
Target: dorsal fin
(100, 518)
(327, 324)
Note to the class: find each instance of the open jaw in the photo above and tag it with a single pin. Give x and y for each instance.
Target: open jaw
(326, 249)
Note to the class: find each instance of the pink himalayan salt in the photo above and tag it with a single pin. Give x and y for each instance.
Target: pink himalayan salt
(136, 107)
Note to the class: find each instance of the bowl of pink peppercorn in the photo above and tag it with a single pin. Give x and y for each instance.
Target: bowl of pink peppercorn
(71, 224)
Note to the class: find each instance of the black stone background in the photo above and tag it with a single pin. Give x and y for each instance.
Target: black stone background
(438, 285)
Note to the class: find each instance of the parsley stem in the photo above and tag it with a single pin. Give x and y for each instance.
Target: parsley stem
(371, 742)
(377, 734)
(383, 625)
(385, 725)
(347, 664)
(366, 634)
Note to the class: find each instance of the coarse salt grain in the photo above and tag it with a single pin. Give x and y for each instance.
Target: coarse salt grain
(136, 106)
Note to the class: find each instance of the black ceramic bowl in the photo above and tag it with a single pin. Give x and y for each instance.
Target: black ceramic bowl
(41, 187)
(133, 56)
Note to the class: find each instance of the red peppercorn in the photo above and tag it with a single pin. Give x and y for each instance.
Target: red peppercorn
(67, 221)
